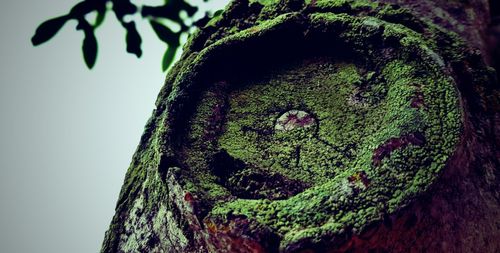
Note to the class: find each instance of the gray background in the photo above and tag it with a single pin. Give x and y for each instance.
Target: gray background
(67, 134)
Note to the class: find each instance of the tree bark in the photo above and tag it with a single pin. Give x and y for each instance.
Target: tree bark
(415, 169)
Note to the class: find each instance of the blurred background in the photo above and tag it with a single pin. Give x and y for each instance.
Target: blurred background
(67, 133)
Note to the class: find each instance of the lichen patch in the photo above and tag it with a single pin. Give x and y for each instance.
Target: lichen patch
(294, 119)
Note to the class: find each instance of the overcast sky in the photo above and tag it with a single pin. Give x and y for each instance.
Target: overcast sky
(67, 134)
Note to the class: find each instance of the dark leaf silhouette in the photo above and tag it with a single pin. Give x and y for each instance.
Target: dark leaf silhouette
(133, 39)
(89, 47)
(101, 14)
(181, 5)
(123, 7)
(48, 29)
(160, 11)
(217, 13)
(169, 10)
(164, 33)
(168, 57)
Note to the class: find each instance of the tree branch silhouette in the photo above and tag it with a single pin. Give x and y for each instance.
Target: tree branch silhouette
(170, 10)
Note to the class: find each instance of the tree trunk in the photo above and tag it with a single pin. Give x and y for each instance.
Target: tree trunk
(322, 126)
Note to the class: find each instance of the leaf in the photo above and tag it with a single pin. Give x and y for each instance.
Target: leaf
(164, 33)
(168, 57)
(217, 13)
(47, 30)
(133, 39)
(184, 5)
(89, 47)
(123, 7)
(169, 37)
(101, 14)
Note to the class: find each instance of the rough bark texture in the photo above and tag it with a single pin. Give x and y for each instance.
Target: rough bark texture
(423, 180)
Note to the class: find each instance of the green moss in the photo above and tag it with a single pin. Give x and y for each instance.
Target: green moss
(360, 105)
(265, 2)
(340, 124)
(332, 5)
(364, 4)
(215, 19)
(258, 107)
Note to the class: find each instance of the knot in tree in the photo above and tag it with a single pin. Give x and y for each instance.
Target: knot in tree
(316, 126)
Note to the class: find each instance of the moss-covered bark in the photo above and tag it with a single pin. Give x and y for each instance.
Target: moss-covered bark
(320, 126)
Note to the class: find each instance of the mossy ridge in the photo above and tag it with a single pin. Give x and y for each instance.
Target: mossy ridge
(437, 38)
